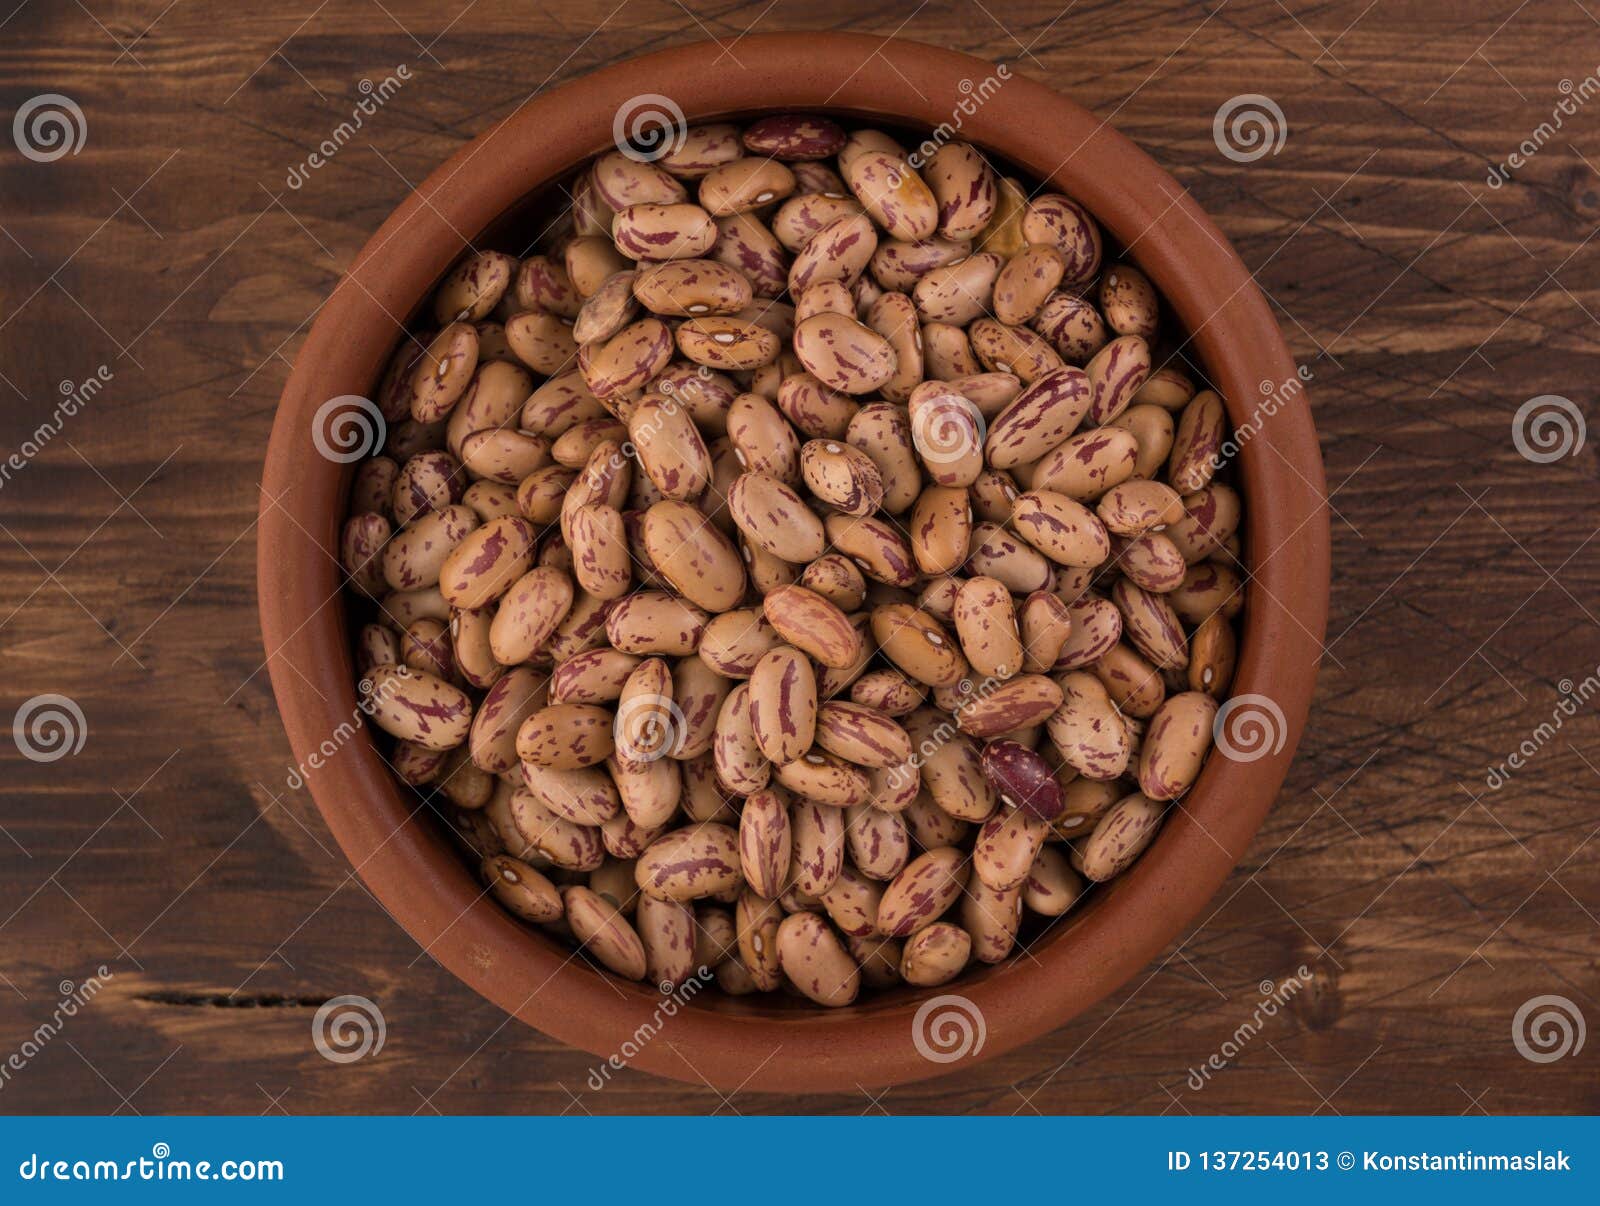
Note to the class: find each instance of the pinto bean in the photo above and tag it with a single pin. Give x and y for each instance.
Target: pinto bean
(815, 961)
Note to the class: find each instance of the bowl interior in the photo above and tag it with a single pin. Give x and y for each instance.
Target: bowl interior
(516, 231)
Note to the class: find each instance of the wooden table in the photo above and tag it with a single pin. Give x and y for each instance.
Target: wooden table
(171, 255)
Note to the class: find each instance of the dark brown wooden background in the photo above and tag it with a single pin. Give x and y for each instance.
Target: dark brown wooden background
(1428, 306)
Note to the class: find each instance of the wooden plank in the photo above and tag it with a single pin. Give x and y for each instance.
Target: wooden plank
(1427, 305)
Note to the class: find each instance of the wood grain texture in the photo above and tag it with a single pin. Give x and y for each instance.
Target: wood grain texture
(1428, 306)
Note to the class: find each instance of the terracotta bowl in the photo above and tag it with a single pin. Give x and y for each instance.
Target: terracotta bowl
(416, 867)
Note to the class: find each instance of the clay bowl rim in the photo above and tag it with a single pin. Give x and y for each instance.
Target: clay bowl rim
(406, 858)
